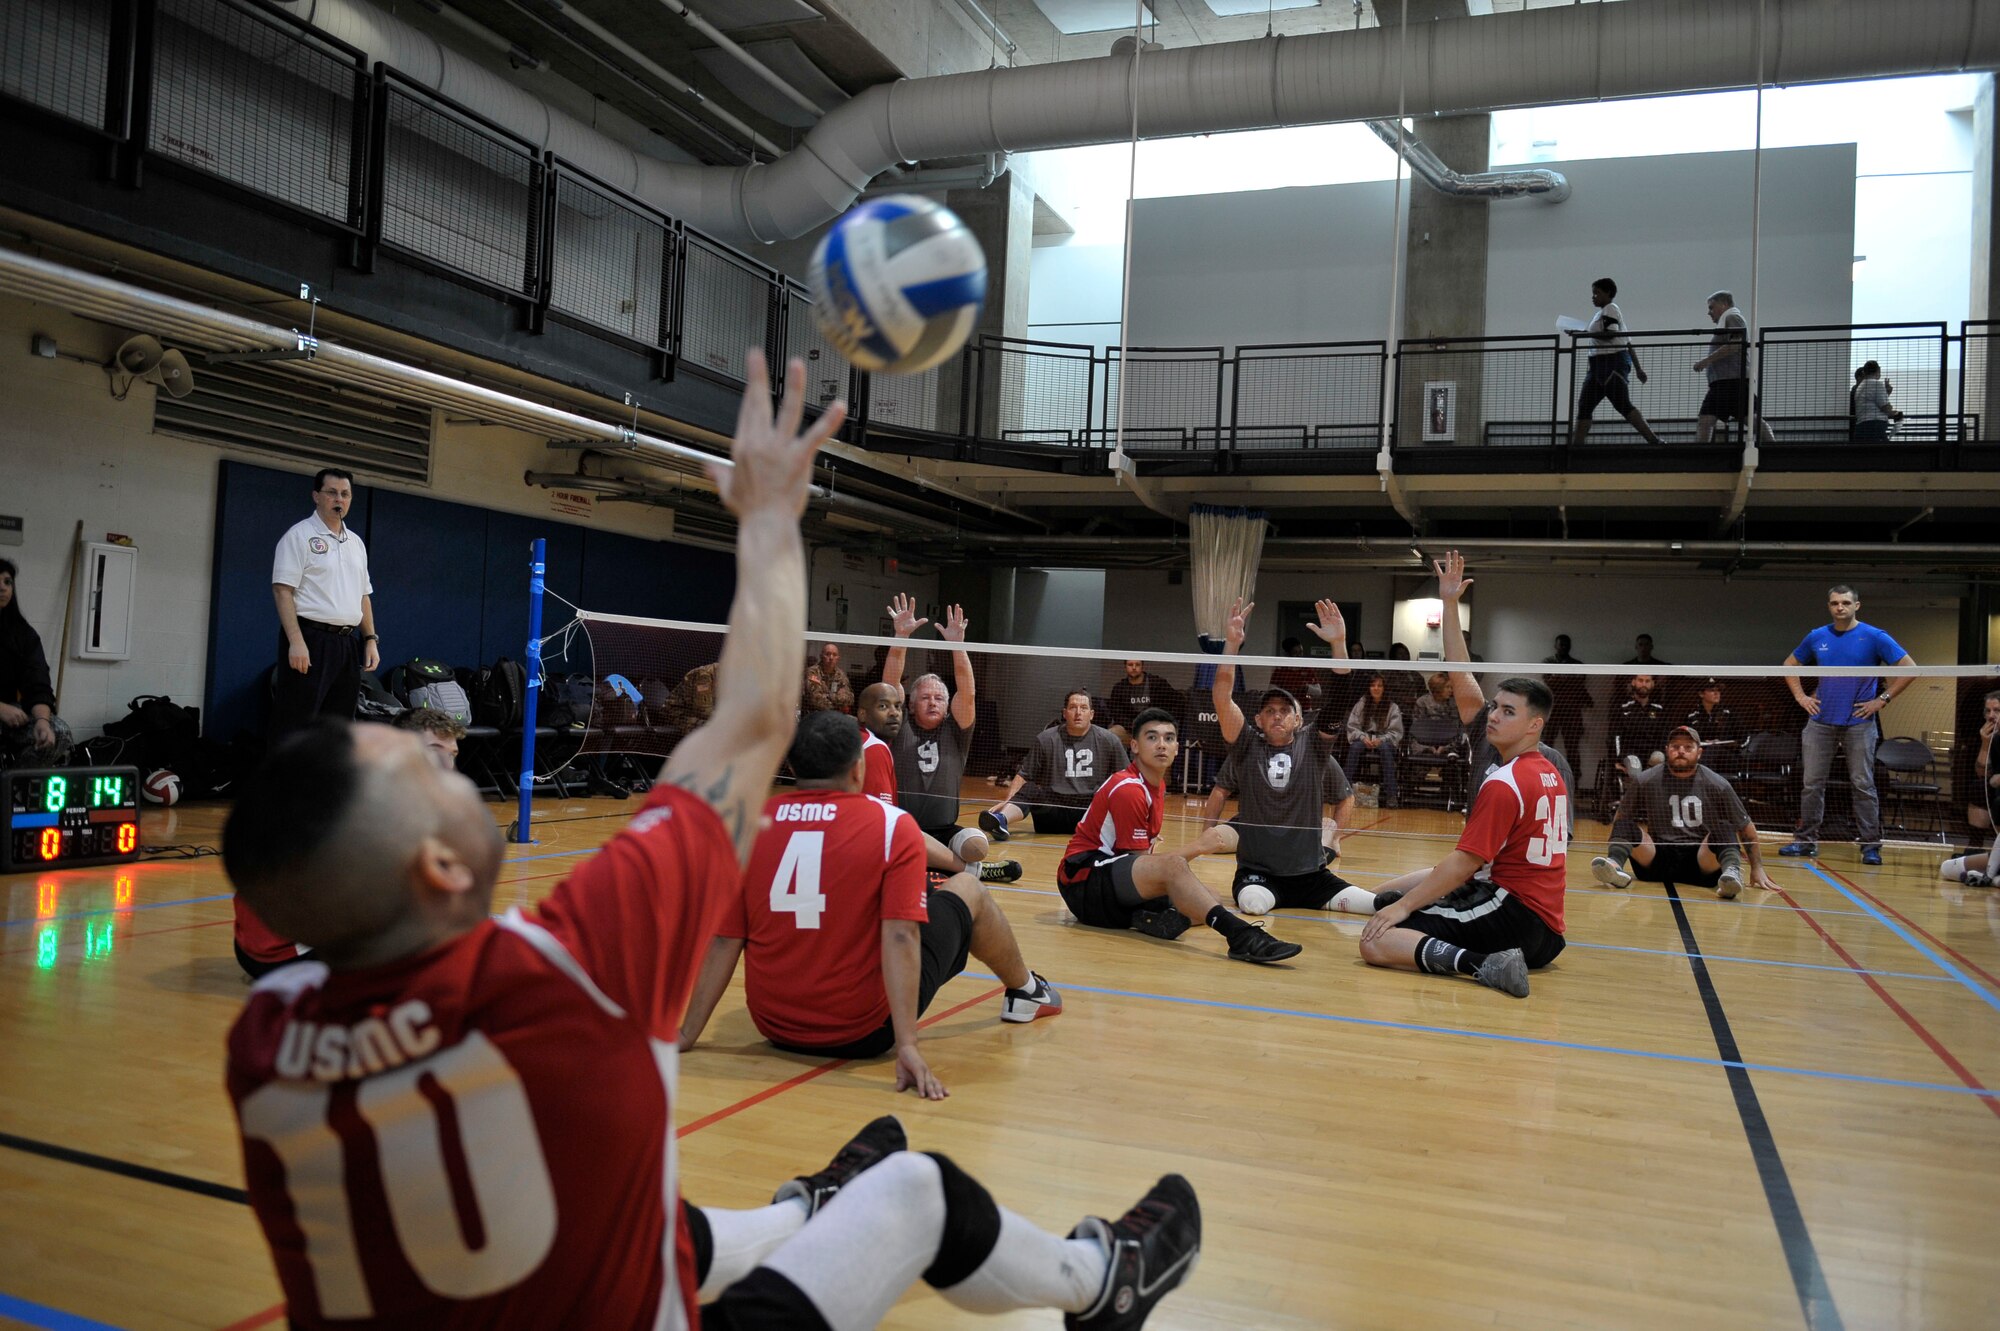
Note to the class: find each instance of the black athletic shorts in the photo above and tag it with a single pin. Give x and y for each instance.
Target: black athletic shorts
(1606, 382)
(1728, 400)
(1050, 812)
(1104, 895)
(1483, 917)
(1678, 864)
(1299, 891)
(946, 942)
(763, 1301)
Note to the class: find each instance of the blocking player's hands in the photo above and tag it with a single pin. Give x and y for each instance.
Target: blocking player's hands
(954, 626)
(1237, 626)
(913, 1074)
(1452, 582)
(1383, 920)
(773, 457)
(1332, 626)
(902, 613)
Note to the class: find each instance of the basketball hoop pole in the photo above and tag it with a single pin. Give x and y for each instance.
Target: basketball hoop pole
(522, 830)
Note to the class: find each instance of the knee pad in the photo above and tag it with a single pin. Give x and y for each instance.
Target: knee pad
(969, 845)
(1953, 870)
(971, 1225)
(1254, 897)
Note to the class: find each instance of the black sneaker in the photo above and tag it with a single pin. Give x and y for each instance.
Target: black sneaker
(1168, 923)
(874, 1143)
(997, 871)
(989, 823)
(1150, 1250)
(1253, 944)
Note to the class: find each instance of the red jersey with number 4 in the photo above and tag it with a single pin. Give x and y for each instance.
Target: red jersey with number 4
(879, 778)
(1519, 825)
(1125, 814)
(828, 868)
(482, 1135)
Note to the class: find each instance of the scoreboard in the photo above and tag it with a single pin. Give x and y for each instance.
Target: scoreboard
(61, 817)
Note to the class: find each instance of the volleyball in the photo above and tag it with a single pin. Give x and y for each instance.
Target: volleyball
(897, 284)
(162, 787)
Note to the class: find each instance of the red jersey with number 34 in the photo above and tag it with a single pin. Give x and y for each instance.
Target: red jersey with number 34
(482, 1135)
(829, 866)
(1519, 825)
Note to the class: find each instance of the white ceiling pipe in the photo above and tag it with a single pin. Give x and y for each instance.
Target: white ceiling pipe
(1427, 166)
(1575, 53)
(742, 57)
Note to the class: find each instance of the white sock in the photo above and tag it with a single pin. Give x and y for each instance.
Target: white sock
(1353, 900)
(1953, 870)
(1032, 1268)
(743, 1239)
(869, 1244)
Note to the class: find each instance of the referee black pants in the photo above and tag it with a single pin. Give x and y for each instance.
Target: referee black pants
(329, 687)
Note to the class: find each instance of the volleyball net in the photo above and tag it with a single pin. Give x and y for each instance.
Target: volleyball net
(651, 681)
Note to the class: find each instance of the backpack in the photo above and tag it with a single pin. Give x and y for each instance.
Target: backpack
(497, 694)
(415, 673)
(158, 732)
(655, 694)
(375, 702)
(614, 708)
(566, 701)
(447, 696)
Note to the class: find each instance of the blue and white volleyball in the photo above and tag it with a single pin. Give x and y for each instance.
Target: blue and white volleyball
(897, 284)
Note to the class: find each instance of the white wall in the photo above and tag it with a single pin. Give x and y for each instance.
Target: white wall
(865, 585)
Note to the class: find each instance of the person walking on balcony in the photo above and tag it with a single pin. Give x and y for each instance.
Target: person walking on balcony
(1612, 363)
(1727, 366)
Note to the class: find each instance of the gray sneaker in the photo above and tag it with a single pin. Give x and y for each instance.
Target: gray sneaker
(1506, 971)
(1729, 884)
(1610, 872)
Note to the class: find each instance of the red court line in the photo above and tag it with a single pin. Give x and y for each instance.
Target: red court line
(1963, 1073)
(265, 1318)
(1958, 956)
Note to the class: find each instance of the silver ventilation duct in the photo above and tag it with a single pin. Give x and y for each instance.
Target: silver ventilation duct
(1538, 57)
(1427, 166)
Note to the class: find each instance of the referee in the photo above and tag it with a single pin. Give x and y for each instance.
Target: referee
(319, 578)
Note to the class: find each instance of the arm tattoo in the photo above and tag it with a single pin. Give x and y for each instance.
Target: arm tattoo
(716, 794)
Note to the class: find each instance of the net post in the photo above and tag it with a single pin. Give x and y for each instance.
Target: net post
(522, 829)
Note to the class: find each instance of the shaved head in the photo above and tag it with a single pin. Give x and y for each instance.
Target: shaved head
(880, 710)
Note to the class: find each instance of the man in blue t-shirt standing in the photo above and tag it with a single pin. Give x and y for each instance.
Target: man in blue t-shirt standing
(1841, 714)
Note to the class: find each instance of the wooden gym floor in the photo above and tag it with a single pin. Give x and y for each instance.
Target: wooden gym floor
(1772, 1112)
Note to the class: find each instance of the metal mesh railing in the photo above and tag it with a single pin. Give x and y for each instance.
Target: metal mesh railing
(827, 371)
(259, 103)
(611, 262)
(1036, 392)
(1807, 375)
(1481, 391)
(56, 54)
(1978, 386)
(1172, 397)
(928, 402)
(1287, 397)
(725, 307)
(459, 194)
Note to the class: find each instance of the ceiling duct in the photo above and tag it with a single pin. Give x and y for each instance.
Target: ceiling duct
(1427, 166)
(1535, 57)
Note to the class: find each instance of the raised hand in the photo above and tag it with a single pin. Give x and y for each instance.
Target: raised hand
(953, 628)
(1452, 582)
(1332, 627)
(903, 612)
(1236, 628)
(773, 457)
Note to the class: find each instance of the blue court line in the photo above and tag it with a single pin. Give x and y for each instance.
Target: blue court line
(1981, 992)
(550, 855)
(54, 1319)
(1691, 1060)
(114, 910)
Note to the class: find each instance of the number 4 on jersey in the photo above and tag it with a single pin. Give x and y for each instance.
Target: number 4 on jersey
(795, 888)
(1554, 840)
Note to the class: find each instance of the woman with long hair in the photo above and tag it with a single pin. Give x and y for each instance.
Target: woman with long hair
(31, 734)
(1375, 725)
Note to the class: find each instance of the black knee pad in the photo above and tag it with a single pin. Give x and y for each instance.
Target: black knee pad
(971, 1226)
(700, 1237)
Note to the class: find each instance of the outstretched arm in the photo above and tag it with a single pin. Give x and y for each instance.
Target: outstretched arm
(1452, 586)
(730, 761)
(964, 702)
(903, 613)
(1227, 714)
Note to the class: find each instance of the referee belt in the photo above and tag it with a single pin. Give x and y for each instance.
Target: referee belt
(342, 630)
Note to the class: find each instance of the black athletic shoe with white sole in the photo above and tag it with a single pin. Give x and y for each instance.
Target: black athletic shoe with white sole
(1253, 944)
(997, 871)
(1168, 923)
(872, 1145)
(1150, 1250)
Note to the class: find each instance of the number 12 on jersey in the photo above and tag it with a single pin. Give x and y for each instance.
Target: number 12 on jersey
(1554, 840)
(795, 887)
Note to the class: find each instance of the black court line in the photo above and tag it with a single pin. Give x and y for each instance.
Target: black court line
(125, 1169)
(1808, 1278)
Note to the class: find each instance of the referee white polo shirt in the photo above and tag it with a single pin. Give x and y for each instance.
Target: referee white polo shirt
(328, 572)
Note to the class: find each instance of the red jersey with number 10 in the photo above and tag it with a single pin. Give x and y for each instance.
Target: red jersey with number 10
(1125, 814)
(1519, 825)
(879, 778)
(481, 1135)
(827, 869)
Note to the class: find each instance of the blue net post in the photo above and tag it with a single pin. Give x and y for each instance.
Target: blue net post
(522, 823)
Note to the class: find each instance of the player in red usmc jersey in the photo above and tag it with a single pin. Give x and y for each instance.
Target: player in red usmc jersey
(1494, 929)
(1112, 879)
(846, 945)
(452, 1121)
